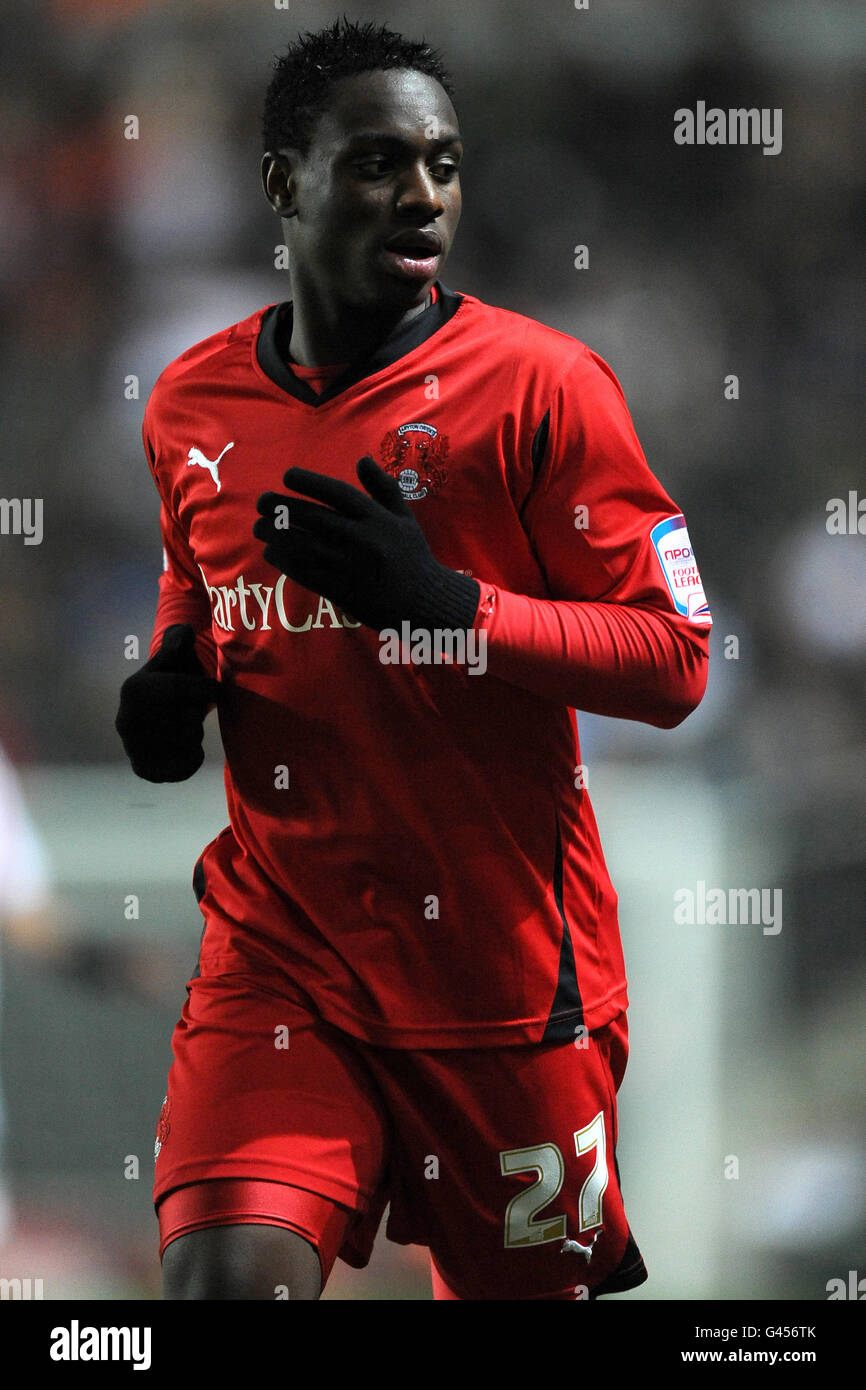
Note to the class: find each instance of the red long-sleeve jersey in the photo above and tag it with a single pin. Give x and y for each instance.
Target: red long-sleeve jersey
(414, 844)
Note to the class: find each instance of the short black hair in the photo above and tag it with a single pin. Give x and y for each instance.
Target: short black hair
(300, 88)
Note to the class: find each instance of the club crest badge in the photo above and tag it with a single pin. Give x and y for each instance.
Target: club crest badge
(414, 454)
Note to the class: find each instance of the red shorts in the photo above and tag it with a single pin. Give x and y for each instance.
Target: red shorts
(500, 1160)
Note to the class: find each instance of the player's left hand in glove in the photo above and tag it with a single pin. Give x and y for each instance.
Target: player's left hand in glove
(365, 551)
(162, 710)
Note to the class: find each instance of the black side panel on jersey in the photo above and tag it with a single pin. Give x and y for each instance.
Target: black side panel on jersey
(537, 452)
(198, 880)
(630, 1272)
(198, 887)
(272, 348)
(539, 445)
(566, 1011)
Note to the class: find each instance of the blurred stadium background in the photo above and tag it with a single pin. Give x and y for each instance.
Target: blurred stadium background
(746, 1045)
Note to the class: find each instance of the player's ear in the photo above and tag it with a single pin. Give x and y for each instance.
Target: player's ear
(278, 181)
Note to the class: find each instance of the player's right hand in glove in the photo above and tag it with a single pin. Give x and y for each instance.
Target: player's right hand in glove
(162, 710)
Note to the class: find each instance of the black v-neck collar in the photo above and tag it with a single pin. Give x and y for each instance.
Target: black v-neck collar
(276, 332)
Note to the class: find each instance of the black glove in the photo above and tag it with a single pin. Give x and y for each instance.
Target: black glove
(162, 710)
(368, 555)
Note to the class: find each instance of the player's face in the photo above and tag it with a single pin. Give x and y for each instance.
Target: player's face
(383, 165)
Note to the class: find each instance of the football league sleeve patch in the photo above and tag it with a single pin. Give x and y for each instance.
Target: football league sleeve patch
(679, 567)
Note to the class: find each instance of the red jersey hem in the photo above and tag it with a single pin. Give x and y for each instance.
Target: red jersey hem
(469, 1035)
